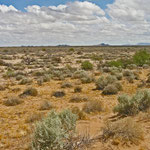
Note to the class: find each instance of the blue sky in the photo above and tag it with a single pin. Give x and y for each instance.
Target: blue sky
(21, 4)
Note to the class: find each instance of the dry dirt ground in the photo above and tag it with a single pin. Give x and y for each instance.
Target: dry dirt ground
(17, 122)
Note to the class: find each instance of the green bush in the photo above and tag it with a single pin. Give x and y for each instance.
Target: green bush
(86, 65)
(53, 132)
(133, 105)
(117, 63)
(142, 57)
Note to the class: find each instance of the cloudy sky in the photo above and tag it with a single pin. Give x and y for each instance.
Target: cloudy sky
(53, 22)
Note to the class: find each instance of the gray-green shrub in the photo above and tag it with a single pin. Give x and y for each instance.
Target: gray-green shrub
(53, 132)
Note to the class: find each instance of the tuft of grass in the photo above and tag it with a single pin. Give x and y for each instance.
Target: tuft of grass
(124, 130)
(93, 106)
(30, 91)
(58, 93)
(13, 101)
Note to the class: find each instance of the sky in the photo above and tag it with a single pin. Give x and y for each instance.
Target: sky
(90, 22)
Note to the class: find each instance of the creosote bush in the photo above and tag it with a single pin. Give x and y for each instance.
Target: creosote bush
(86, 65)
(133, 105)
(124, 130)
(54, 131)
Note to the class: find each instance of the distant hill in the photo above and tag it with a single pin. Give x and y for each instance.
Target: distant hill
(103, 44)
(63, 45)
(143, 44)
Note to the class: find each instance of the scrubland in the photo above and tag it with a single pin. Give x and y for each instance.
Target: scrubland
(75, 98)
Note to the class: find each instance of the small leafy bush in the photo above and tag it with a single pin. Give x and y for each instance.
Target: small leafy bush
(86, 65)
(59, 94)
(53, 132)
(133, 105)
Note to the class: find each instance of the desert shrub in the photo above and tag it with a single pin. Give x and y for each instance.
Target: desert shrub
(119, 76)
(118, 85)
(3, 87)
(148, 79)
(66, 85)
(130, 79)
(93, 106)
(30, 91)
(54, 131)
(13, 101)
(25, 81)
(40, 81)
(71, 50)
(78, 89)
(79, 74)
(78, 98)
(133, 105)
(46, 78)
(127, 73)
(87, 79)
(124, 130)
(9, 73)
(111, 79)
(58, 93)
(81, 115)
(110, 90)
(117, 63)
(38, 73)
(34, 117)
(141, 57)
(86, 65)
(102, 82)
(45, 105)
(19, 77)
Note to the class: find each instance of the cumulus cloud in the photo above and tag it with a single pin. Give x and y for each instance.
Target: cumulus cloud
(77, 23)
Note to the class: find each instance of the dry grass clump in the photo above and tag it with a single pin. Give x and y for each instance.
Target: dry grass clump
(78, 89)
(58, 93)
(45, 105)
(125, 130)
(66, 85)
(30, 91)
(93, 106)
(12, 101)
(34, 117)
(79, 98)
(81, 115)
(25, 81)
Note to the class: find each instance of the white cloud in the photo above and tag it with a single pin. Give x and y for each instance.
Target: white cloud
(76, 23)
